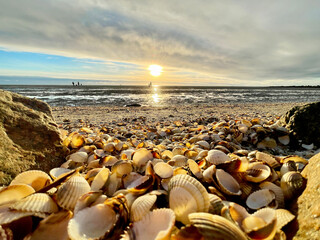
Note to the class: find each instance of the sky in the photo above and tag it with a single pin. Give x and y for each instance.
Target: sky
(197, 42)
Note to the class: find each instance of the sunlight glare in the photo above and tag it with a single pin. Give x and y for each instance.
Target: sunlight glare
(155, 70)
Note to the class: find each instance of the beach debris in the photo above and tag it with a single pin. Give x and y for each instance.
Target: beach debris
(211, 180)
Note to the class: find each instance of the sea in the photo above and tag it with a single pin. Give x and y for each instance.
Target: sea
(58, 95)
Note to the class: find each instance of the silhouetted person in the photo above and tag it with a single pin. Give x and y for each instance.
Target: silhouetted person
(78, 83)
(72, 83)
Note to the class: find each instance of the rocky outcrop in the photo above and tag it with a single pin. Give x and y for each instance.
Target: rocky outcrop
(29, 137)
(304, 124)
(308, 204)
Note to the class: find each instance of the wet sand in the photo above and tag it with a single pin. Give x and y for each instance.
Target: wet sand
(101, 115)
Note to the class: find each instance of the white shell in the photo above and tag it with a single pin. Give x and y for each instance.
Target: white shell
(277, 191)
(38, 202)
(35, 178)
(58, 172)
(69, 192)
(257, 172)
(91, 223)
(163, 170)
(227, 183)
(100, 179)
(157, 225)
(141, 157)
(268, 159)
(259, 199)
(142, 206)
(283, 217)
(80, 157)
(14, 193)
(217, 157)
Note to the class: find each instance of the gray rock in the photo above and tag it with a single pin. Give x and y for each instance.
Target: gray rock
(308, 205)
(29, 137)
(303, 123)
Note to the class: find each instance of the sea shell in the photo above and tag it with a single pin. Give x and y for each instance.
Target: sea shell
(187, 195)
(292, 184)
(100, 179)
(209, 173)
(121, 168)
(285, 140)
(195, 169)
(216, 204)
(261, 198)
(141, 157)
(38, 202)
(268, 159)
(14, 193)
(227, 183)
(214, 226)
(53, 227)
(92, 222)
(257, 172)
(203, 144)
(35, 178)
(57, 172)
(261, 225)
(179, 160)
(69, 192)
(160, 221)
(163, 170)
(283, 217)
(77, 140)
(142, 206)
(80, 157)
(217, 157)
(289, 166)
(277, 191)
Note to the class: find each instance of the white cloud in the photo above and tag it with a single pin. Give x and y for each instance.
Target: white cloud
(230, 41)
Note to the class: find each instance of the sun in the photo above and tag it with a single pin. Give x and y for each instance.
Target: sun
(155, 70)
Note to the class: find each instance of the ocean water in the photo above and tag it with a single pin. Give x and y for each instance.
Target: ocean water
(161, 95)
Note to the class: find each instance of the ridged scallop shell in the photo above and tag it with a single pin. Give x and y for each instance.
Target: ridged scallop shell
(261, 225)
(53, 227)
(194, 187)
(163, 170)
(69, 192)
(187, 195)
(8, 216)
(35, 178)
(257, 172)
(14, 193)
(268, 159)
(216, 204)
(142, 206)
(283, 217)
(292, 183)
(260, 199)
(203, 144)
(217, 157)
(227, 183)
(277, 191)
(92, 222)
(58, 172)
(160, 223)
(214, 226)
(38, 202)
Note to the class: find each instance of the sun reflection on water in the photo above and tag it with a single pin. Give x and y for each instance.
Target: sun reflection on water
(155, 96)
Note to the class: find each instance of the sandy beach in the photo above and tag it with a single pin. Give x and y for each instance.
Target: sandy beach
(100, 115)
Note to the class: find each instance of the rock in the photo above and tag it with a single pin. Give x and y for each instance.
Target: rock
(308, 204)
(303, 123)
(133, 105)
(30, 139)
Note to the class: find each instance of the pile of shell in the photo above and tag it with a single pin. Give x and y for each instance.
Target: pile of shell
(179, 181)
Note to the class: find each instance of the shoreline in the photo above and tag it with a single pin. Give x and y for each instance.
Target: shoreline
(100, 115)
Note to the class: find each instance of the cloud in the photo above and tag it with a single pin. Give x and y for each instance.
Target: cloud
(223, 41)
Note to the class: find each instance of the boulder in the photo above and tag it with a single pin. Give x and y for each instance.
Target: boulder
(308, 204)
(303, 123)
(29, 137)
